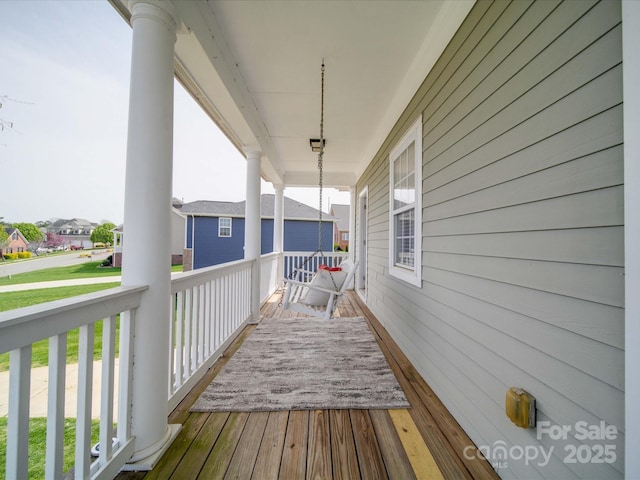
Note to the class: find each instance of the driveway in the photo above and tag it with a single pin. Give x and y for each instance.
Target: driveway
(40, 263)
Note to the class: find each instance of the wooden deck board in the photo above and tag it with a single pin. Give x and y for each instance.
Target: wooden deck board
(218, 461)
(369, 455)
(246, 453)
(343, 447)
(394, 455)
(319, 450)
(340, 444)
(201, 445)
(270, 454)
(294, 456)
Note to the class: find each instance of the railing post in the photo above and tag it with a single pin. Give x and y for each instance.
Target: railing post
(278, 229)
(147, 223)
(252, 230)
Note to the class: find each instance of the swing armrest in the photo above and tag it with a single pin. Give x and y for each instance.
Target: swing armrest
(302, 270)
(313, 287)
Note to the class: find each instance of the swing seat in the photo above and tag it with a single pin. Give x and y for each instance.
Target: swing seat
(319, 296)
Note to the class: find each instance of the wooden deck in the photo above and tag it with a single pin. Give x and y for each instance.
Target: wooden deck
(423, 442)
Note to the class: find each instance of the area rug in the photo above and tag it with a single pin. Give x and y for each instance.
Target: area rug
(305, 364)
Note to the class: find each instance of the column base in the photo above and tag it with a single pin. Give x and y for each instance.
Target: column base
(148, 462)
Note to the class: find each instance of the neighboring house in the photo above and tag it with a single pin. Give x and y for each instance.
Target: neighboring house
(16, 242)
(178, 225)
(215, 230)
(341, 226)
(76, 231)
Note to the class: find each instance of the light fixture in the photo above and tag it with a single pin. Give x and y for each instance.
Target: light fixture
(315, 144)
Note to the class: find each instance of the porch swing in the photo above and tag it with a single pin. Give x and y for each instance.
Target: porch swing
(318, 293)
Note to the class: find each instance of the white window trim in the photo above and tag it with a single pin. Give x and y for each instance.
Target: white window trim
(412, 276)
(220, 227)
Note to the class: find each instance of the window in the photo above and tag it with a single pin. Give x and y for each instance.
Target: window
(405, 209)
(224, 227)
(345, 236)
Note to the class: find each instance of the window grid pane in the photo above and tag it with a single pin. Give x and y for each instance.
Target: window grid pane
(405, 239)
(224, 227)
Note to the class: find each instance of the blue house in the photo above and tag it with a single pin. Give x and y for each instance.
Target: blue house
(215, 230)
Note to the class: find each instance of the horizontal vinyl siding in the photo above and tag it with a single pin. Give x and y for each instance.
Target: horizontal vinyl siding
(522, 226)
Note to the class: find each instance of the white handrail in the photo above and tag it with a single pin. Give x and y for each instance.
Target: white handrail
(210, 307)
(20, 329)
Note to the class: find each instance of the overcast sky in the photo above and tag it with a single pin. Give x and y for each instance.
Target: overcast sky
(64, 83)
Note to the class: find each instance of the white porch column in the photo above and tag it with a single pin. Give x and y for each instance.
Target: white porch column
(278, 219)
(278, 228)
(147, 222)
(631, 94)
(352, 222)
(252, 230)
(352, 230)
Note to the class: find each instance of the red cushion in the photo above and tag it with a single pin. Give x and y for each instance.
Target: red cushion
(331, 269)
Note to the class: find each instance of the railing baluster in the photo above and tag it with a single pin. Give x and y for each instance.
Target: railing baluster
(18, 421)
(85, 390)
(207, 320)
(125, 380)
(201, 335)
(55, 405)
(171, 387)
(187, 334)
(179, 343)
(107, 388)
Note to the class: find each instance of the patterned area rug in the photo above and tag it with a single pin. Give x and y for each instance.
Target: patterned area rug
(305, 364)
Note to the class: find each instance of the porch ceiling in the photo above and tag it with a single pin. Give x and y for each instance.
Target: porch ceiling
(254, 66)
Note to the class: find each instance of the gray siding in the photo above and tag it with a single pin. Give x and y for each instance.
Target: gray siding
(522, 251)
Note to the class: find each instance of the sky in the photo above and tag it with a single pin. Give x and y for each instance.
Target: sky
(64, 86)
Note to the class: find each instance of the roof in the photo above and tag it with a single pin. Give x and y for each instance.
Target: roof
(11, 230)
(293, 209)
(74, 222)
(341, 212)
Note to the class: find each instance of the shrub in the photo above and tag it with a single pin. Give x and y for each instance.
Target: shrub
(24, 254)
(11, 256)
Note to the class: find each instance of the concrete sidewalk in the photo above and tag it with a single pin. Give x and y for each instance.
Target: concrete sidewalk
(59, 283)
(39, 391)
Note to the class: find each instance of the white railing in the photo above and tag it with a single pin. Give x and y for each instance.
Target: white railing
(310, 261)
(21, 328)
(269, 275)
(209, 307)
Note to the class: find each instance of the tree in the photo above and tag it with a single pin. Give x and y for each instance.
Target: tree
(54, 240)
(103, 233)
(30, 232)
(4, 239)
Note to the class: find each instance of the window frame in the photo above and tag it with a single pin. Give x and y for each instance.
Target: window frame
(220, 227)
(412, 275)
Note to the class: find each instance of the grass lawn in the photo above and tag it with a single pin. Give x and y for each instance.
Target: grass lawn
(37, 444)
(83, 270)
(26, 298)
(40, 350)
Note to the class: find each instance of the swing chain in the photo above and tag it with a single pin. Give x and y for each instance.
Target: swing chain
(320, 155)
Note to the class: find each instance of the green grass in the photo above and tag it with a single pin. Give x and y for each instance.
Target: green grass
(40, 350)
(26, 298)
(83, 270)
(37, 444)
